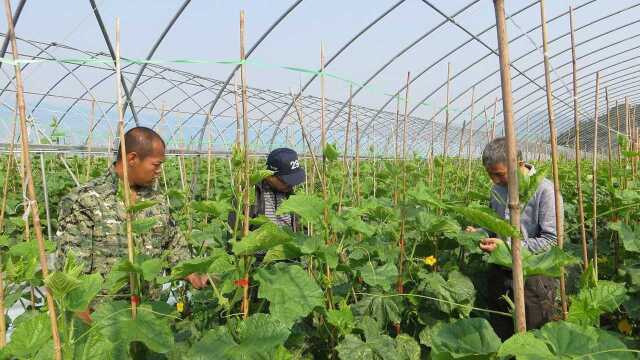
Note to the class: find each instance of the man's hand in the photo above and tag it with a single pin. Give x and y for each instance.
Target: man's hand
(198, 281)
(488, 245)
(471, 229)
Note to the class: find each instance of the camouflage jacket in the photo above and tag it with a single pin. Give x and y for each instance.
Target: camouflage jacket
(92, 225)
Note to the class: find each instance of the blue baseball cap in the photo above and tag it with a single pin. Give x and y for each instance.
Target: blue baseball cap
(285, 164)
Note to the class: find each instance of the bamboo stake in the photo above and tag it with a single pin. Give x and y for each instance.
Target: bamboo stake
(31, 194)
(553, 140)
(618, 132)
(357, 164)
(7, 175)
(461, 145)
(512, 165)
(400, 284)
(3, 322)
(45, 191)
(594, 180)
(470, 144)
(610, 171)
(90, 139)
(344, 155)
(396, 133)
(431, 154)
(495, 111)
(245, 139)
(446, 132)
(125, 173)
(583, 233)
(237, 108)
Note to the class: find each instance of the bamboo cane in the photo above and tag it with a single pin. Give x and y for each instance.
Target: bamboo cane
(357, 164)
(125, 172)
(245, 139)
(470, 143)
(553, 140)
(618, 132)
(90, 139)
(7, 175)
(400, 284)
(31, 194)
(461, 143)
(594, 180)
(512, 164)
(396, 133)
(493, 126)
(432, 168)
(583, 233)
(610, 171)
(446, 132)
(344, 155)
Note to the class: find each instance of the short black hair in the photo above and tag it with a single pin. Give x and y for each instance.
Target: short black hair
(140, 140)
(495, 152)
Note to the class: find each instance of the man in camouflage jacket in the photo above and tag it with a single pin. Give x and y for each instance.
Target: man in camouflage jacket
(92, 218)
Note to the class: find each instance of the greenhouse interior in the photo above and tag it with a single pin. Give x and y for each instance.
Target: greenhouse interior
(400, 179)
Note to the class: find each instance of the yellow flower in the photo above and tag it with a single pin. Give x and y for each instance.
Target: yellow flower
(180, 306)
(430, 260)
(624, 327)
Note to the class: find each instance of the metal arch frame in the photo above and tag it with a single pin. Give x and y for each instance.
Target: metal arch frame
(527, 95)
(247, 55)
(155, 47)
(394, 58)
(513, 61)
(105, 35)
(16, 17)
(328, 62)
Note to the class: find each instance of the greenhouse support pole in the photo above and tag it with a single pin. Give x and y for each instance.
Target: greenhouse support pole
(403, 214)
(246, 181)
(32, 202)
(344, 154)
(7, 174)
(125, 174)
(470, 143)
(610, 171)
(576, 123)
(553, 140)
(446, 132)
(594, 179)
(512, 165)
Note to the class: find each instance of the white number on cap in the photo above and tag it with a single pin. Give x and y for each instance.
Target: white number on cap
(294, 164)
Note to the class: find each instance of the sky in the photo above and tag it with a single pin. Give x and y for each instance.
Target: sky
(209, 30)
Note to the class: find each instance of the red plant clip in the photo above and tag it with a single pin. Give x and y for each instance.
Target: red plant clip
(135, 299)
(241, 283)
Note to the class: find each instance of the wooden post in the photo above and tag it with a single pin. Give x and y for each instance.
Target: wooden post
(446, 132)
(470, 144)
(125, 173)
(576, 117)
(553, 139)
(610, 171)
(594, 180)
(31, 193)
(246, 175)
(512, 165)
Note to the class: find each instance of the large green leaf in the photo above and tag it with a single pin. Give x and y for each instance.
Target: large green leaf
(466, 337)
(383, 276)
(291, 292)
(376, 347)
(547, 263)
(265, 237)
(525, 346)
(341, 318)
(60, 284)
(591, 302)
(258, 337)
(330, 152)
(568, 341)
(219, 209)
(259, 175)
(114, 322)
(309, 207)
(32, 332)
(407, 347)
(528, 185)
(630, 236)
(141, 205)
(457, 293)
(487, 221)
(79, 298)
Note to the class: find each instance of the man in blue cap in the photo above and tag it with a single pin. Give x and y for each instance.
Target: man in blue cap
(274, 189)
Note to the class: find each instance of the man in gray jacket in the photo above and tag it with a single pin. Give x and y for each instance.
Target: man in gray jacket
(539, 234)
